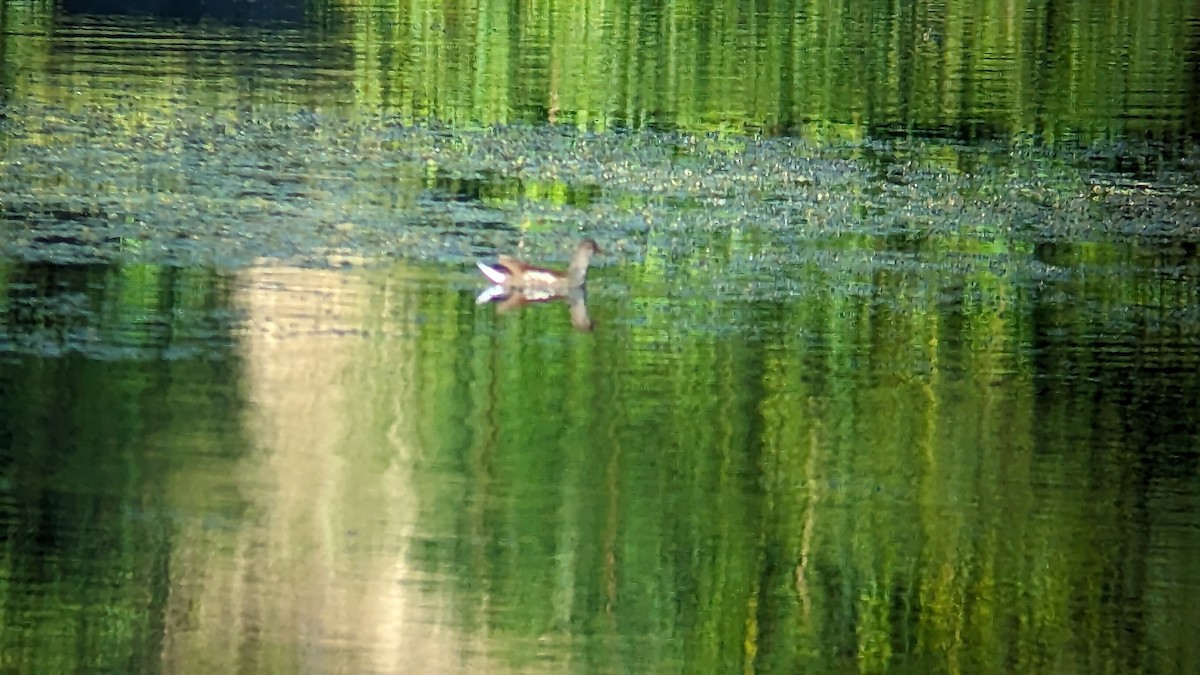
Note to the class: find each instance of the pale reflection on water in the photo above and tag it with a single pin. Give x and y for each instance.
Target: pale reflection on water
(318, 571)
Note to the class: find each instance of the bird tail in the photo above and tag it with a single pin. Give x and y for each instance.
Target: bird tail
(494, 274)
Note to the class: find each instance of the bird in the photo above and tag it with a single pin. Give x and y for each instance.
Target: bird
(536, 284)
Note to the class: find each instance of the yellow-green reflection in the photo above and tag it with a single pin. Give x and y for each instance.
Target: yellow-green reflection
(822, 70)
(291, 469)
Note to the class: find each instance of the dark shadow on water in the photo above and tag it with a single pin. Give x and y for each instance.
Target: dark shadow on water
(234, 12)
(112, 312)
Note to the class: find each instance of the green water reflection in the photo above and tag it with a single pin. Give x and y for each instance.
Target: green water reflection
(1058, 71)
(279, 469)
(849, 405)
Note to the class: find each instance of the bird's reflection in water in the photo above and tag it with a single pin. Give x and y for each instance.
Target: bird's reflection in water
(508, 300)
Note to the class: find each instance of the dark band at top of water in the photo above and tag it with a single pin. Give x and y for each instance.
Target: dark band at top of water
(231, 12)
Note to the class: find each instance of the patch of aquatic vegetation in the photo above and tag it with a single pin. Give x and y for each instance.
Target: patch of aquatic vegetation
(304, 188)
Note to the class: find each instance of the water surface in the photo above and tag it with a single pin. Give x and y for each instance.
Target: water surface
(894, 365)
(294, 469)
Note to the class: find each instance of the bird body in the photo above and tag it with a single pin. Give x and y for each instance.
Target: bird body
(511, 275)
